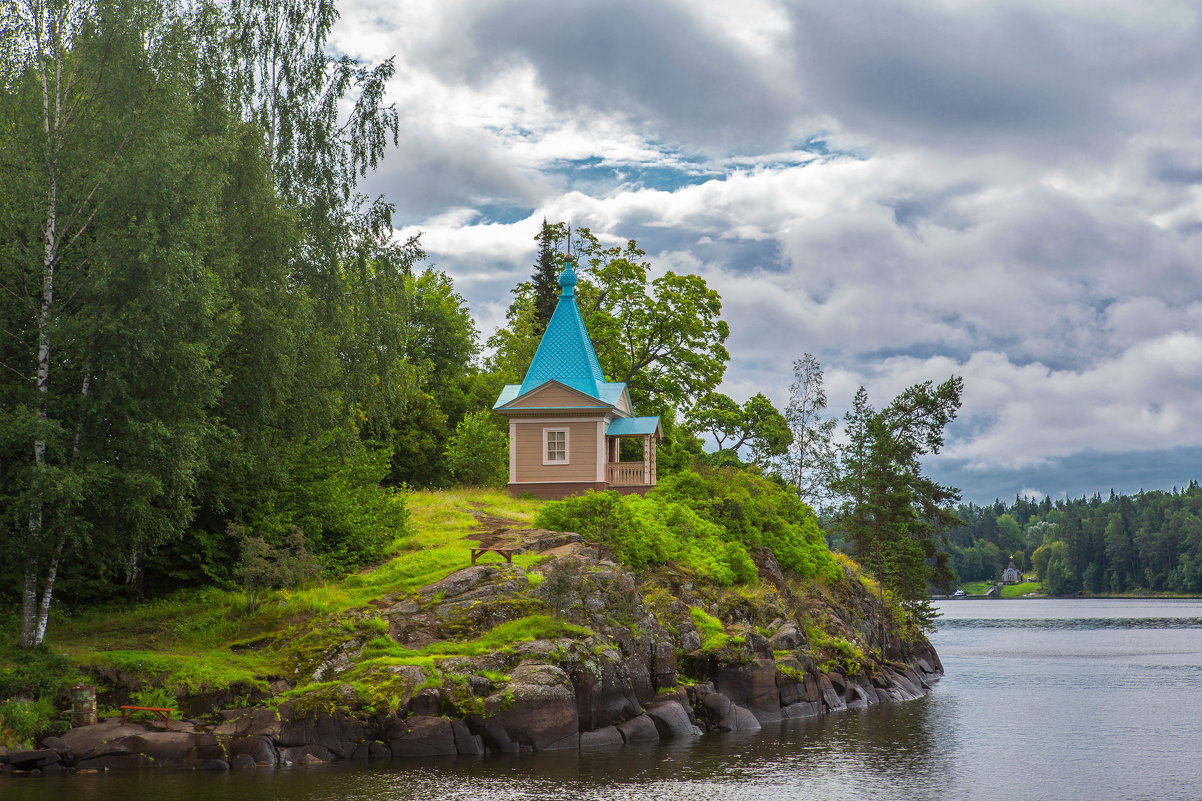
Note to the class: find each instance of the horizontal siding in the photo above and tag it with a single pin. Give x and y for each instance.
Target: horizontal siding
(552, 396)
(582, 453)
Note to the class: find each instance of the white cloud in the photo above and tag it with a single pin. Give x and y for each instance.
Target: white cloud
(1023, 206)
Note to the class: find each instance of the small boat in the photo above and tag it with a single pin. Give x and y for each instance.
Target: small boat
(959, 594)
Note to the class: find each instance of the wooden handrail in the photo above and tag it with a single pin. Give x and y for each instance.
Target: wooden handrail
(625, 473)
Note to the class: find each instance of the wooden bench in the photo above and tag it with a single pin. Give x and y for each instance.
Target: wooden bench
(505, 552)
(162, 713)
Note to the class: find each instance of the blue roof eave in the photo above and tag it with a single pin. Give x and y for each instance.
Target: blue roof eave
(634, 426)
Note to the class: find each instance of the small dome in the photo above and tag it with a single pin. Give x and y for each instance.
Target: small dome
(567, 279)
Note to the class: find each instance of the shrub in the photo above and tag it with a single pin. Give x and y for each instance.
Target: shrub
(263, 567)
(157, 697)
(754, 511)
(22, 723)
(649, 530)
(713, 633)
(333, 495)
(478, 451)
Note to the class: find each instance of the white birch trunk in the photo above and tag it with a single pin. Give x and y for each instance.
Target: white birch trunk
(51, 116)
(47, 596)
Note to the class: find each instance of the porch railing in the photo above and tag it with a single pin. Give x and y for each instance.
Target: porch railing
(624, 473)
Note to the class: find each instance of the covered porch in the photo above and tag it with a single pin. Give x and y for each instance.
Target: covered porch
(631, 475)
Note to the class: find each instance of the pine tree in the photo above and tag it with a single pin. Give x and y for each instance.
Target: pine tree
(892, 514)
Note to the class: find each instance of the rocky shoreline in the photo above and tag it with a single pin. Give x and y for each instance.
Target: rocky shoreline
(636, 671)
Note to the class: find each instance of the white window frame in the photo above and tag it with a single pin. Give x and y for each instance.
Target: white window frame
(567, 446)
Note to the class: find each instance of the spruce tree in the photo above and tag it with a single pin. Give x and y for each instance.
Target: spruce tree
(545, 277)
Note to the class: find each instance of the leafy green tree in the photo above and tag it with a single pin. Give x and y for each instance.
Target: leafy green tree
(892, 514)
(111, 280)
(478, 453)
(663, 337)
(756, 424)
(202, 320)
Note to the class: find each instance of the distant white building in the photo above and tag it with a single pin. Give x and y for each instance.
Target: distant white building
(1012, 575)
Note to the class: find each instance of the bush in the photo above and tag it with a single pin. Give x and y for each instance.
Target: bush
(754, 511)
(262, 567)
(334, 496)
(478, 452)
(35, 672)
(647, 531)
(22, 723)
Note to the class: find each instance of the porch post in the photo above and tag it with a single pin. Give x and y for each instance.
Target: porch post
(646, 458)
(653, 447)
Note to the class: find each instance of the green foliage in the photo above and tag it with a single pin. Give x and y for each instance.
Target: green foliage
(35, 672)
(756, 424)
(713, 633)
(157, 697)
(23, 723)
(650, 530)
(262, 567)
(478, 453)
(892, 514)
(705, 521)
(754, 511)
(334, 496)
(838, 653)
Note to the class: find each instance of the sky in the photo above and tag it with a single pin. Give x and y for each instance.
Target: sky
(908, 189)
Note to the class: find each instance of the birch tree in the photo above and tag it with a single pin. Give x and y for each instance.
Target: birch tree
(109, 323)
(809, 464)
(52, 107)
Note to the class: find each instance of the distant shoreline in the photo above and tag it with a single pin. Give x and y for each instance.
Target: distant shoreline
(1070, 598)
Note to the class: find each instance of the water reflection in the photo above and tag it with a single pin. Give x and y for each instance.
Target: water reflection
(868, 754)
(1081, 623)
(1059, 700)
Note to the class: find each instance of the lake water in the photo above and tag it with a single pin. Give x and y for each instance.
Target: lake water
(1070, 700)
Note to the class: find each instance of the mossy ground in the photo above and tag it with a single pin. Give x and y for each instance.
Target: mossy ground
(204, 640)
(331, 640)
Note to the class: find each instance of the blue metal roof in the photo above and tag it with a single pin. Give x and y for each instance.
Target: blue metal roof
(611, 394)
(566, 353)
(509, 392)
(630, 426)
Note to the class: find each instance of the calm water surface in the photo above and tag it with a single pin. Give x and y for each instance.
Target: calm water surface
(1060, 700)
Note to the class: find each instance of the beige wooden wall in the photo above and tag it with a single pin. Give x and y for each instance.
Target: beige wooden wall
(582, 453)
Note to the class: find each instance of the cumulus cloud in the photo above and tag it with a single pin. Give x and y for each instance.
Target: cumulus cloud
(909, 190)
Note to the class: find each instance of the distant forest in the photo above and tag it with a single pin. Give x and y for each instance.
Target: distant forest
(1126, 543)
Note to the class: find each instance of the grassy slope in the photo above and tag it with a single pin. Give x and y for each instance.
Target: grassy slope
(184, 641)
(1008, 590)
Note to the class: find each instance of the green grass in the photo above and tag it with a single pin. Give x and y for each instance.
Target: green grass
(839, 654)
(979, 588)
(500, 637)
(1020, 590)
(713, 633)
(182, 642)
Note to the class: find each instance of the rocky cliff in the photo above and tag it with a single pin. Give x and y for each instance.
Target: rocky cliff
(575, 651)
